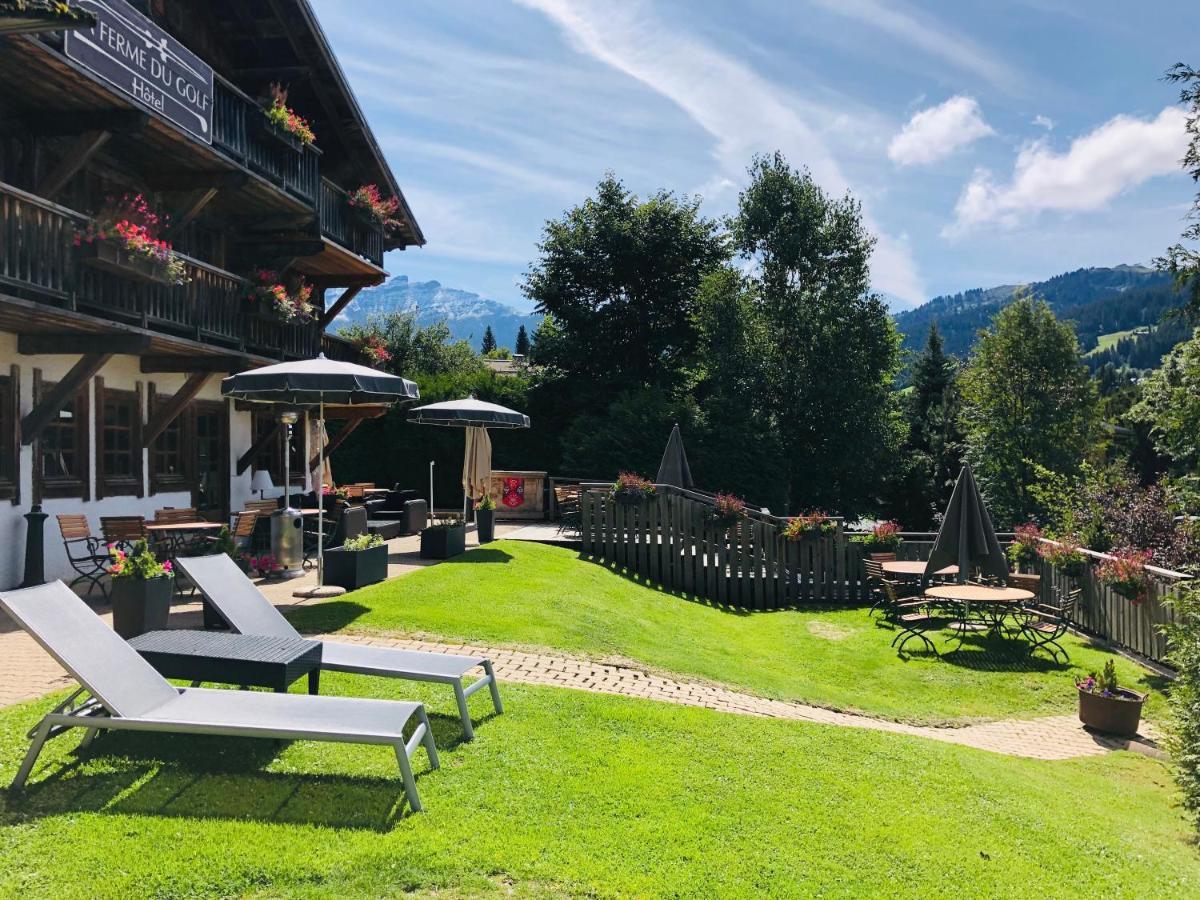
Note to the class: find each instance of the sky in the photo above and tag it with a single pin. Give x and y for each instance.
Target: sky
(990, 143)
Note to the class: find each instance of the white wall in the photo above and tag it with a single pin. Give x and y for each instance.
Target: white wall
(120, 373)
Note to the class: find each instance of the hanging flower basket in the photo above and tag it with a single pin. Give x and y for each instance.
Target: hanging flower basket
(285, 300)
(1125, 573)
(124, 239)
(282, 122)
(727, 511)
(1065, 555)
(811, 527)
(631, 490)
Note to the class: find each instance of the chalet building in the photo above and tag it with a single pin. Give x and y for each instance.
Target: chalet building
(144, 192)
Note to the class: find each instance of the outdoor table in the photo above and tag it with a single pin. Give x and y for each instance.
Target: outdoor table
(241, 659)
(914, 568)
(174, 534)
(994, 603)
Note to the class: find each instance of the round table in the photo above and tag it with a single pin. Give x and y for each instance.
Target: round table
(174, 534)
(914, 568)
(993, 604)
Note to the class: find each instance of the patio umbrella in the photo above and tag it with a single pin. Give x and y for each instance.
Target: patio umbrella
(470, 414)
(674, 467)
(966, 538)
(477, 464)
(317, 382)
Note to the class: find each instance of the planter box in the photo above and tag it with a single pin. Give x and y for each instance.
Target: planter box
(111, 257)
(443, 543)
(352, 569)
(631, 499)
(263, 126)
(485, 525)
(141, 605)
(1119, 715)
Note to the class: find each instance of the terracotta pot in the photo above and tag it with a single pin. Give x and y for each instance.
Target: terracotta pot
(1119, 715)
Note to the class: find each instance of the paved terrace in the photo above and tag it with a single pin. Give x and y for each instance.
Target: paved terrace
(27, 672)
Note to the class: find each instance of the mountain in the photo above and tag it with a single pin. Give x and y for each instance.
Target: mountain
(1098, 301)
(466, 314)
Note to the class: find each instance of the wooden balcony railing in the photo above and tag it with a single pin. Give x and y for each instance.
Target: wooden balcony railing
(340, 223)
(241, 130)
(38, 261)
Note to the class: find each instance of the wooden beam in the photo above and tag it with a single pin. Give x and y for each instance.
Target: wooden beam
(267, 74)
(335, 442)
(257, 447)
(41, 415)
(192, 208)
(166, 413)
(197, 181)
(74, 343)
(189, 364)
(339, 304)
(62, 123)
(74, 159)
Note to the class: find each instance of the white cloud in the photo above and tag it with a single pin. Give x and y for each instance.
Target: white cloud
(742, 112)
(1114, 158)
(1044, 122)
(938, 131)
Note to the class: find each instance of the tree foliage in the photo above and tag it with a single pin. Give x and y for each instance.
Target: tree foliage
(1182, 260)
(488, 344)
(1027, 402)
(522, 345)
(415, 349)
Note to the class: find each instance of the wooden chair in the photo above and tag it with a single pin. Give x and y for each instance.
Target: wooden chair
(566, 504)
(123, 531)
(882, 557)
(171, 515)
(874, 579)
(85, 552)
(1045, 624)
(913, 615)
(261, 507)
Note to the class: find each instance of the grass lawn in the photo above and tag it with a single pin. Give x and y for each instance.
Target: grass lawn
(576, 793)
(520, 593)
(1108, 341)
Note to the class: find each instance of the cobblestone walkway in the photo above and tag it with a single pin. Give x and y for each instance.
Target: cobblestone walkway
(26, 672)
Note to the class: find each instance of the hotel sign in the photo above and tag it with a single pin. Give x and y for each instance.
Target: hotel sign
(141, 60)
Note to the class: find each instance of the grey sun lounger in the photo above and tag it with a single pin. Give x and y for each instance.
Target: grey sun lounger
(246, 610)
(120, 690)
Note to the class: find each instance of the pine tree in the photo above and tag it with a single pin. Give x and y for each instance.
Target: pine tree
(522, 342)
(489, 342)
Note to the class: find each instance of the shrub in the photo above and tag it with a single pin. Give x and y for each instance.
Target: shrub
(727, 510)
(812, 525)
(1183, 652)
(1026, 544)
(1125, 572)
(138, 563)
(1104, 684)
(485, 502)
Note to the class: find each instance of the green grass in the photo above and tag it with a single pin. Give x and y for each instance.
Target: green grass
(528, 594)
(576, 793)
(1108, 341)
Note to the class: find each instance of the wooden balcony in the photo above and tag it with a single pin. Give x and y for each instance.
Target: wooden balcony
(38, 262)
(339, 222)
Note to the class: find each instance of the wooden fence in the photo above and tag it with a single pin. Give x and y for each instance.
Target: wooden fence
(670, 540)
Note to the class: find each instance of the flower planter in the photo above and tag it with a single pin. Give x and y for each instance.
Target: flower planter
(352, 569)
(111, 257)
(631, 498)
(1120, 714)
(264, 127)
(140, 605)
(485, 525)
(443, 543)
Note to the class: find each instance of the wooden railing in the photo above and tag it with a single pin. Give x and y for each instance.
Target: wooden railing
(671, 541)
(37, 260)
(240, 129)
(338, 223)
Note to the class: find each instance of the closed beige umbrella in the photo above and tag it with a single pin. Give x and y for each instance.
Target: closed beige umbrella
(477, 464)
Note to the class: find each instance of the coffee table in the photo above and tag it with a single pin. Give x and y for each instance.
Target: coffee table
(242, 659)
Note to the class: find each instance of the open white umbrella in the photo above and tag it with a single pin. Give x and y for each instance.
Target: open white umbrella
(470, 414)
(318, 382)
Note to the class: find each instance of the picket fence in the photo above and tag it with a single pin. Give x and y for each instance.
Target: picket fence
(670, 540)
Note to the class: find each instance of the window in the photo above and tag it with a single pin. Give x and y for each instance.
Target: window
(118, 441)
(10, 434)
(168, 462)
(61, 451)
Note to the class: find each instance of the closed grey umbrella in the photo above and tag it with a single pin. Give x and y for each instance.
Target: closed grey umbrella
(966, 538)
(674, 467)
(317, 382)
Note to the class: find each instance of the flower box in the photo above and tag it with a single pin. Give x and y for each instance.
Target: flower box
(443, 542)
(352, 569)
(267, 129)
(1120, 714)
(141, 605)
(112, 257)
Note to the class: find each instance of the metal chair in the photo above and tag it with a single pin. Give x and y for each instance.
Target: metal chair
(912, 615)
(85, 552)
(1045, 624)
(123, 531)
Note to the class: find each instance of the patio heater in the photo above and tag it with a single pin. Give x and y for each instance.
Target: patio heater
(287, 524)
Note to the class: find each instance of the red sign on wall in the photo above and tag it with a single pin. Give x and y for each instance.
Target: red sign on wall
(513, 492)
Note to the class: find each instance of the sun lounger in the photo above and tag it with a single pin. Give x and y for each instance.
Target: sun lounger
(124, 692)
(246, 610)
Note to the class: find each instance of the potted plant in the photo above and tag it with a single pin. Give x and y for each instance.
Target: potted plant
(485, 519)
(1125, 572)
(282, 122)
(631, 490)
(727, 510)
(1064, 554)
(810, 527)
(124, 238)
(371, 208)
(360, 561)
(445, 538)
(264, 566)
(141, 590)
(1105, 706)
(883, 538)
(1023, 551)
(288, 300)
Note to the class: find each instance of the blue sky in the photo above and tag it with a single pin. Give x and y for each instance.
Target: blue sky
(989, 142)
